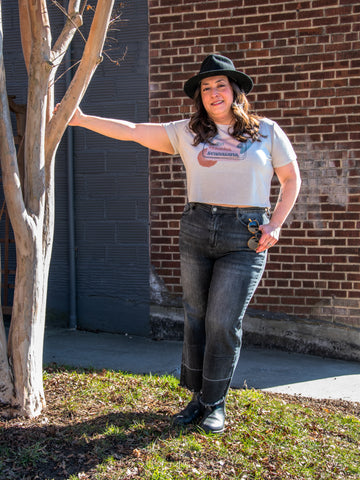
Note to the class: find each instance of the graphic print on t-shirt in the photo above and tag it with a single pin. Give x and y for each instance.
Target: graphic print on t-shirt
(230, 151)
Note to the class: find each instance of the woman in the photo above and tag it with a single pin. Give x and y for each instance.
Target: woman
(230, 156)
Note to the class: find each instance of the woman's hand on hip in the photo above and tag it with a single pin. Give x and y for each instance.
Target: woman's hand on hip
(269, 237)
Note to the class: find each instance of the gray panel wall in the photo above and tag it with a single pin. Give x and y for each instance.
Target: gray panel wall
(111, 191)
(110, 185)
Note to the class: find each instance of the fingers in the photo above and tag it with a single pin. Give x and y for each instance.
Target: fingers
(269, 237)
(73, 121)
(266, 243)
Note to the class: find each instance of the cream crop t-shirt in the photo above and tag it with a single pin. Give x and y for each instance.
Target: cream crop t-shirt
(227, 171)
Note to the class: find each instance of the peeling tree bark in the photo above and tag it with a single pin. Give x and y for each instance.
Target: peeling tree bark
(6, 381)
(31, 205)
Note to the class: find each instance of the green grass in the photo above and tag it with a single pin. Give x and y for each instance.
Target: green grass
(107, 425)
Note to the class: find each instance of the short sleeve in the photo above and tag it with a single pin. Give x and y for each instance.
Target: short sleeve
(282, 151)
(174, 131)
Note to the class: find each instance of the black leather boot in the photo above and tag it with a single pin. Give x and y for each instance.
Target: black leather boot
(191, 413)
(214, 419)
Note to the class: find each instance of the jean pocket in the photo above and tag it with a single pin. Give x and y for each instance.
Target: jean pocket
(187, 210)
(259, 217)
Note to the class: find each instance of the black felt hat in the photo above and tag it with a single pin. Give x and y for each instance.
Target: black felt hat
(218, 65)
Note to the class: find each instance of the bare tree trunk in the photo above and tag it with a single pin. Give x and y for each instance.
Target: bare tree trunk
(6, 385)
(31, 208)
(7, 147)
(25, 345)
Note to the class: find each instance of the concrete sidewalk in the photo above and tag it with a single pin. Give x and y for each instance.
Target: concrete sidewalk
(268, 370)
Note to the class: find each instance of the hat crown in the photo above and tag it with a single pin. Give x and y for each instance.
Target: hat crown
(214, 65)
(216, 62)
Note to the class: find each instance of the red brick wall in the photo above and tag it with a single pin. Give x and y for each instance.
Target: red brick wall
(304, 57)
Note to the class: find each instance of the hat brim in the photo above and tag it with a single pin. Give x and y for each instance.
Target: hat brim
(244, 82)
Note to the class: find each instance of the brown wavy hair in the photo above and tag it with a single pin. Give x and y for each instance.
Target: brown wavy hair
(246, 124)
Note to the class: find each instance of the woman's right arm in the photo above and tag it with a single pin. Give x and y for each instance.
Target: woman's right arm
(150, 135)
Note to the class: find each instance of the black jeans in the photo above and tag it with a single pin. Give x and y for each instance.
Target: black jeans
(219, 274)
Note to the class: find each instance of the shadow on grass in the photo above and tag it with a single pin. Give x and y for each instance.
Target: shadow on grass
(57, 452)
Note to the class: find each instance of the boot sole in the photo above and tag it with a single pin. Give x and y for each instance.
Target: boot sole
(209, 430)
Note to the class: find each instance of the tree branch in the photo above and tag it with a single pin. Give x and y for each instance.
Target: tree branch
(40, 25)
(39, 74)
(25, 31)
(90, 60)
(74, 21)
(8, 154)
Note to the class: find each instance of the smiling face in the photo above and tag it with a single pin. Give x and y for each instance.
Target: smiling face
(217, 97)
